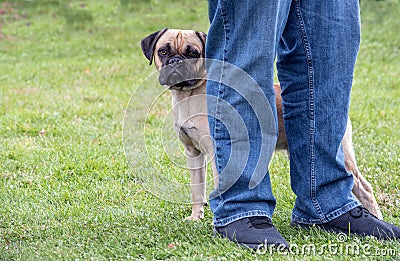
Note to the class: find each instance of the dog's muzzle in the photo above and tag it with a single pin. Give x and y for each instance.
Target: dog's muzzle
(178, 74)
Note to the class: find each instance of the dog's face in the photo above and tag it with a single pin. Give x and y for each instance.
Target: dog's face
(176, 55)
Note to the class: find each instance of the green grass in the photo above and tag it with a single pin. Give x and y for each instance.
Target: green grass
(68, 192)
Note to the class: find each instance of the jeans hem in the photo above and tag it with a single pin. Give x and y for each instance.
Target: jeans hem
(328, 217)
(225, 221)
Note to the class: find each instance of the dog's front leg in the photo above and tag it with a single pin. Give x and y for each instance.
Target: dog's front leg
(197, 169)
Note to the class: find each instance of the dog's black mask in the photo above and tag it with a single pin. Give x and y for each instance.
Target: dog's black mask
(178, 72)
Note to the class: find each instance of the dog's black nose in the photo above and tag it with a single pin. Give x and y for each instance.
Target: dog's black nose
(174, 61)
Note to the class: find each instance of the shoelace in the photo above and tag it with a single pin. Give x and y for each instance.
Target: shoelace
(359, 211)
(260, 222)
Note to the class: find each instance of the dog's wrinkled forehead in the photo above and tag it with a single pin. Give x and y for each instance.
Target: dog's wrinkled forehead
(179, 40)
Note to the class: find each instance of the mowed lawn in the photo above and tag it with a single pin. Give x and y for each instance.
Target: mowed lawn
(72, 188)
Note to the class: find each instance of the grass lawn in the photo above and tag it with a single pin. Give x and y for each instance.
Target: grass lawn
(68, 70)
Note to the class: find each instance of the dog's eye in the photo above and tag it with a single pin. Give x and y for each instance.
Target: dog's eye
(194, 54)
(162, 51)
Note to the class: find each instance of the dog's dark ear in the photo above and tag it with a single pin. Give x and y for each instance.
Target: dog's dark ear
(149, 43)
(202, 36)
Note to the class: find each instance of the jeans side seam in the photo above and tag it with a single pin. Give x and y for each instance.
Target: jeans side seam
(307, 51)
(217, 126)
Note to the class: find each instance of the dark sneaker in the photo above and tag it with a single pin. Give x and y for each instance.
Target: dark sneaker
(252, 232)
(358, 221)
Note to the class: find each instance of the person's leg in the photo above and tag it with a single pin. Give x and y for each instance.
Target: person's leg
(243, 35)
(316, 59)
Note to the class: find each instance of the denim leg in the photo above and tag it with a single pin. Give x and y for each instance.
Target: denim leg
(316, 58)
(244, 36)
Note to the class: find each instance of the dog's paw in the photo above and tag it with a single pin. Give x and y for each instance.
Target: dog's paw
(194, 218)
(197, 214)
(377, 212)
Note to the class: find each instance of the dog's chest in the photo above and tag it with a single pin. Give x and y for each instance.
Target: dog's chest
(190, 119)
(191, 126)
(188, 133)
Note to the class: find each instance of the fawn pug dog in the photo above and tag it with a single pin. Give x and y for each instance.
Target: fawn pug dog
(169, 48)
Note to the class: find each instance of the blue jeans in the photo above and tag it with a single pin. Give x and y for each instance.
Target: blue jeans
(315, 43)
